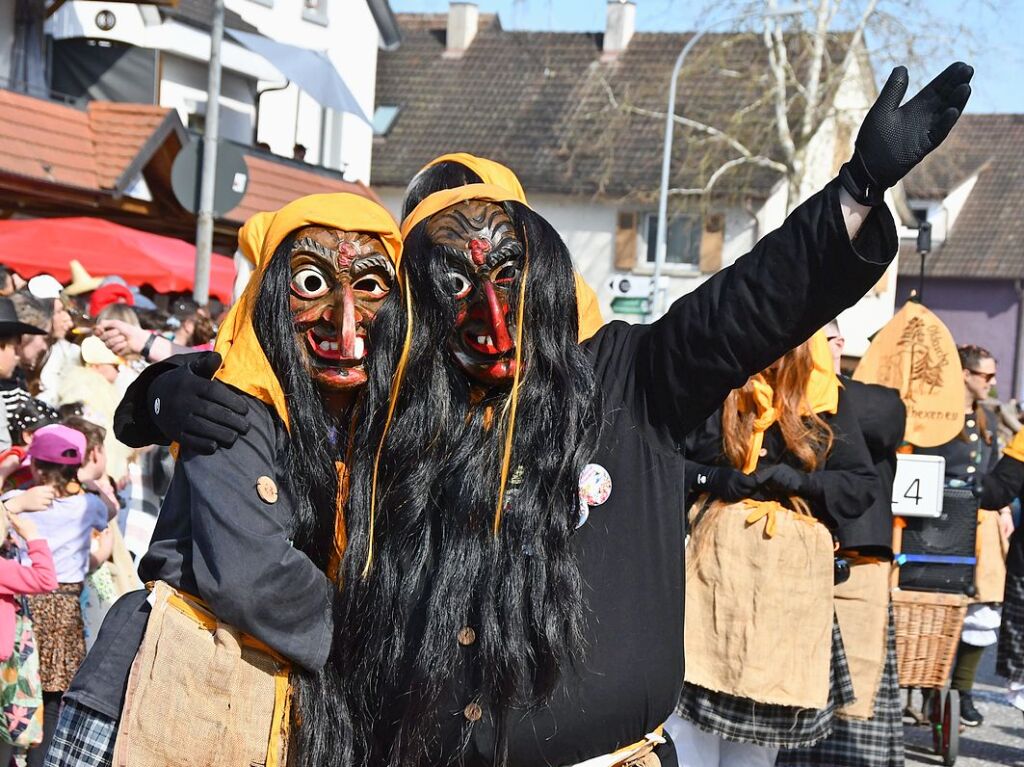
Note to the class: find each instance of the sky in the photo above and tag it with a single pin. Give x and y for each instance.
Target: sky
(992, 46)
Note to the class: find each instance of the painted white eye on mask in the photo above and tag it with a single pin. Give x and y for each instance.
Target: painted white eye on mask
(309, 282)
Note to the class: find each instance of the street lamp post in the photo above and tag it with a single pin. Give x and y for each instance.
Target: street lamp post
(657, 302)
(204, 222)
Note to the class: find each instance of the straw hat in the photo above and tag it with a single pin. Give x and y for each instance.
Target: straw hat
(81, 280)
(95, 352)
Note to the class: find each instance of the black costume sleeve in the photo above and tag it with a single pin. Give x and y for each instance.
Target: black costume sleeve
(848, 484)
(133, 424)
(1004, 484)
(744, 318)
(243, 561)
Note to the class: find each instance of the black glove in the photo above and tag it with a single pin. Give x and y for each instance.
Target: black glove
(893, 138)
(196, 412)
(783, 481)
(722, 482)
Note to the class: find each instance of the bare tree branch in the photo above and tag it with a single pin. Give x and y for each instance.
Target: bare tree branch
(777, 59)
(813, 88)
(761, 160)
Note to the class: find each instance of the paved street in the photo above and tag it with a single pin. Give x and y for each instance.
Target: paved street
(999, 741)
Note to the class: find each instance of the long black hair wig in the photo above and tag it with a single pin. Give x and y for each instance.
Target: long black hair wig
(437, 564)
(323, 734)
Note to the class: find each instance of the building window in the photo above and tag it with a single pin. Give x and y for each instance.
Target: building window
(383, 118)
(315, 11)
(683, 245)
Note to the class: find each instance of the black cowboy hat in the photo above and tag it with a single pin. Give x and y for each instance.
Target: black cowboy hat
(10, 325)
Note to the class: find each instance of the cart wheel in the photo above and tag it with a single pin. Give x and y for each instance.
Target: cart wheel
(951, 728)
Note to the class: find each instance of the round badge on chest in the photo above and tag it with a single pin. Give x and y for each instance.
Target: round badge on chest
(595, 488)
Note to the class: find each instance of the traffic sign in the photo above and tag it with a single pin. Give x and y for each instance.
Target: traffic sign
(232, 178)
(630, 305)
(917, 491)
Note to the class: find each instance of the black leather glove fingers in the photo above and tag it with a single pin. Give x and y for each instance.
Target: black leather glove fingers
(724, 483)
(198, 413)
(893, 138)
(783, 481)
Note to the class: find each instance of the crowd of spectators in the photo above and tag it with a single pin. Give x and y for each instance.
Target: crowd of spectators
(67, 354)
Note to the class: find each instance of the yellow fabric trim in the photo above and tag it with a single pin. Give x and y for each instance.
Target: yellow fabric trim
(489, 171)
(245, 366)
(194, 608)
(438, 201)
(252, 234)
(769, 510)
(822, 396)
(496, 174)
(1016, 447)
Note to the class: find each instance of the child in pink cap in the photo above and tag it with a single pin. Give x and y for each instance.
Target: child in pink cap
(56, 453)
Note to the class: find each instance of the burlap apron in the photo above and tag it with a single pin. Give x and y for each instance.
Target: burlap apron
(759, 604)
(862, 608)
(201, 693)
(991, 548)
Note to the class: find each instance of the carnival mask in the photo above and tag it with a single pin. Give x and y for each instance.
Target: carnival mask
(339, 280)
(482, 254)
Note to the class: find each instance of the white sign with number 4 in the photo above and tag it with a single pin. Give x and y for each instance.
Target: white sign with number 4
(917, 491)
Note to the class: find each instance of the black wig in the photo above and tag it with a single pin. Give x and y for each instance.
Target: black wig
(323, 732)
(437, 564)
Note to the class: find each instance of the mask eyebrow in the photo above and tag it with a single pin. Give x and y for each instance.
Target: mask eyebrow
(373, 261)
(310, 245)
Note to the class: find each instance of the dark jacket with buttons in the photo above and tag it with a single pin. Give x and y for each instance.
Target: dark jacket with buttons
(658, 382)
(222, 535)
(971, 455)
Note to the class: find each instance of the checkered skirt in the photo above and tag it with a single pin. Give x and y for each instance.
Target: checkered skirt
(83, 738)
(877, 742)
(744, 721)
(1010, 659)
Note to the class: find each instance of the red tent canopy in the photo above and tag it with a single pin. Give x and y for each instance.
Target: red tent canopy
(46, 245)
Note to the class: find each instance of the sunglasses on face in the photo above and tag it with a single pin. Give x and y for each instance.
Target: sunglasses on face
(987, 376)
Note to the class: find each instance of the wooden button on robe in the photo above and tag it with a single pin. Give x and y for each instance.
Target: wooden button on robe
(467, 636)
(473, 712)
(266, 489)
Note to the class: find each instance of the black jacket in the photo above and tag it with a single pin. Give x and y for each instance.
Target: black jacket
(882, 418)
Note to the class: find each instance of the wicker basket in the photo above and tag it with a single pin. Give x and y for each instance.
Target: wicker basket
(927, 633)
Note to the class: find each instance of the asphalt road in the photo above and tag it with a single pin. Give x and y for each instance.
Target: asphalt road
(998, 741)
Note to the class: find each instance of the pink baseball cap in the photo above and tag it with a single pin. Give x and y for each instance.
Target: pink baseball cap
(58, 444)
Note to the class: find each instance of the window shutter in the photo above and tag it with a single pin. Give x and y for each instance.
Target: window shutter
(625, 242)
(711, 241)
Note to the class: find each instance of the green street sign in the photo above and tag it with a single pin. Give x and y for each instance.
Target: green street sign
(630, 305)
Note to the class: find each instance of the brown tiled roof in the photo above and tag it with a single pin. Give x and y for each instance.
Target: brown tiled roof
(276, 183)
(46, 141)
(120, 131)
(987, 239)
(539, 101)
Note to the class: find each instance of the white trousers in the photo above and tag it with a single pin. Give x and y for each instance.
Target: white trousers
(696, 748)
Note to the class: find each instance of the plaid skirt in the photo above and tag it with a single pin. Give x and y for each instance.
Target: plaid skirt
(877, 742)
(1010, 658)
(60, 635)
(744, 721)
(83, 738)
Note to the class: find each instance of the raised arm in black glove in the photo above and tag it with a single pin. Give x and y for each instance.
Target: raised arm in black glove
(175, 401)
(721, 482)
(893, 138)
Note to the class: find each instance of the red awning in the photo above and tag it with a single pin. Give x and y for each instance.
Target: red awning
(46, 245)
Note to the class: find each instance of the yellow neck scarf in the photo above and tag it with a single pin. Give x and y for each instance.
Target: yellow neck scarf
(1016, 447)
(822, 397)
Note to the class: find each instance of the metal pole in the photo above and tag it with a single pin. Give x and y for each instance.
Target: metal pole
(657, 302)
(204, 222)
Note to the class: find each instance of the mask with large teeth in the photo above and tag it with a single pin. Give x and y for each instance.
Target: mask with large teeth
(483, 256)
(339, 280)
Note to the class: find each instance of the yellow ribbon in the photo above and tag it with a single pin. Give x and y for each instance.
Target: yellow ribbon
(769, 510)
(1016, 447)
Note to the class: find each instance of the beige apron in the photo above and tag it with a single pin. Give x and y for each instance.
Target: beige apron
(759, 604)
(862, 608)
(201, 693)
(991, 548)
